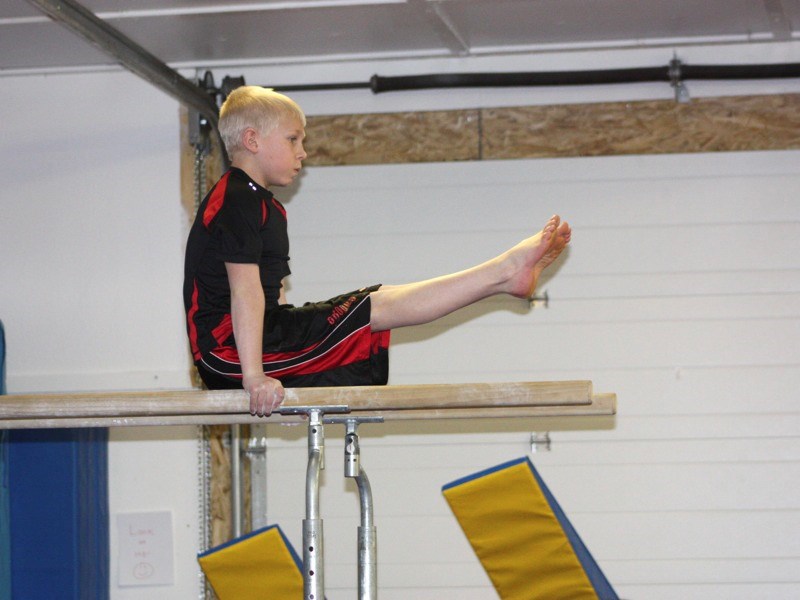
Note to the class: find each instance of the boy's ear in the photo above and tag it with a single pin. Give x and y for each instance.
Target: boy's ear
(250, 139)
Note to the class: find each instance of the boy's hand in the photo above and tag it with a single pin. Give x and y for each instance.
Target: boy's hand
(266, 393)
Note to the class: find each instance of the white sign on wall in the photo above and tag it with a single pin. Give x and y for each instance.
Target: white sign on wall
(145, 549)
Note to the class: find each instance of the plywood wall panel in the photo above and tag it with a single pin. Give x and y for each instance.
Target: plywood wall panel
(648, 127)
(438, 136)
(726, 124)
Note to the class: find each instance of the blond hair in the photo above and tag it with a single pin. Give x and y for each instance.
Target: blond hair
(257, 107)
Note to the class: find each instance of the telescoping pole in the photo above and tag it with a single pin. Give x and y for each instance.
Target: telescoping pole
(313, 551)
(367, 533)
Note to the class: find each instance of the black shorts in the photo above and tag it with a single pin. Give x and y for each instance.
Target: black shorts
(318, 344)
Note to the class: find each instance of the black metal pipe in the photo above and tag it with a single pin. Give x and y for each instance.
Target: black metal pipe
(320, 87)
(380, 84)
(716, 72)
(676, 71)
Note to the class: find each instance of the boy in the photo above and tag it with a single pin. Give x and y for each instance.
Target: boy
(242, 331)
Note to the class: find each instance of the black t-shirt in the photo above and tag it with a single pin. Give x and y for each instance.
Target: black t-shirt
(239, 221)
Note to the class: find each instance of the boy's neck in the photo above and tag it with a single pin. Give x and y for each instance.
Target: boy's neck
(248, 168)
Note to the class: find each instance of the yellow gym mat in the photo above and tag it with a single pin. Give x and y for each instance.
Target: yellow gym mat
(523, 539)
(259, 565)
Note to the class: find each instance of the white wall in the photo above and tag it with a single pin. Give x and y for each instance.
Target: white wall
(91, 233)
(680, 294)
(91, 238)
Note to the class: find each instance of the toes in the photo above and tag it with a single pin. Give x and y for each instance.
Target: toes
(564, 231)
(552, 226)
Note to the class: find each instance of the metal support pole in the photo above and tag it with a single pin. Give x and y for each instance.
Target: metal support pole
(313, 549)
(236, 480)
(367, 543)
(367, 533)
(256, 453)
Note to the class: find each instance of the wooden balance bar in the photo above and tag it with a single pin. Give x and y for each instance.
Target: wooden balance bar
(395, 402)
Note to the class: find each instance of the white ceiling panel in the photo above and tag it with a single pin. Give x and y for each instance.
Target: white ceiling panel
(279, 35)
(575, 22)
(203, 33)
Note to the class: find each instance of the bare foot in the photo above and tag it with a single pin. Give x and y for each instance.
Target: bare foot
(529, 258)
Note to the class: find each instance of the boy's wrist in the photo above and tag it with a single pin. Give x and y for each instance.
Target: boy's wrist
(253, 375)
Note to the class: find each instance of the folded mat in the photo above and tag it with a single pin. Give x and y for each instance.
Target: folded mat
(259, 565)
(523, 539)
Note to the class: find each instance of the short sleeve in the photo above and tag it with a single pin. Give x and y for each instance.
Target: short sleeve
(237, 232)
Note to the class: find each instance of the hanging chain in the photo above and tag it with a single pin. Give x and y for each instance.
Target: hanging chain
(204, 502)
(199, 175)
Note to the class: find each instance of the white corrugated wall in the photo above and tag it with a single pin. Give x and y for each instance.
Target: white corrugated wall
(679, 293)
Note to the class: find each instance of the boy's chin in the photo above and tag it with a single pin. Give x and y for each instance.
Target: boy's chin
(288, 181)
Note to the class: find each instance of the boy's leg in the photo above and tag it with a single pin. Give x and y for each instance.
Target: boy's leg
(514, 272)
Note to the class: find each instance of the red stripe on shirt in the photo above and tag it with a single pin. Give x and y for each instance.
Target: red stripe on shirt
(224, 330)
(216, 200)
(279, 206)
(192, 327)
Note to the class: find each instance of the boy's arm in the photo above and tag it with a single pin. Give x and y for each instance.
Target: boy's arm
(247, 312)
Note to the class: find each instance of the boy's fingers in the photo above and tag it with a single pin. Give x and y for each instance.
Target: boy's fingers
(276, 397)
(264, 399)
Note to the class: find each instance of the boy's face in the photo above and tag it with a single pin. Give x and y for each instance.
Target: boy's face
(280, 153)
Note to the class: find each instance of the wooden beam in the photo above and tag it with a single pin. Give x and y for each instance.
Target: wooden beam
(552, 398)
(601, 405)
